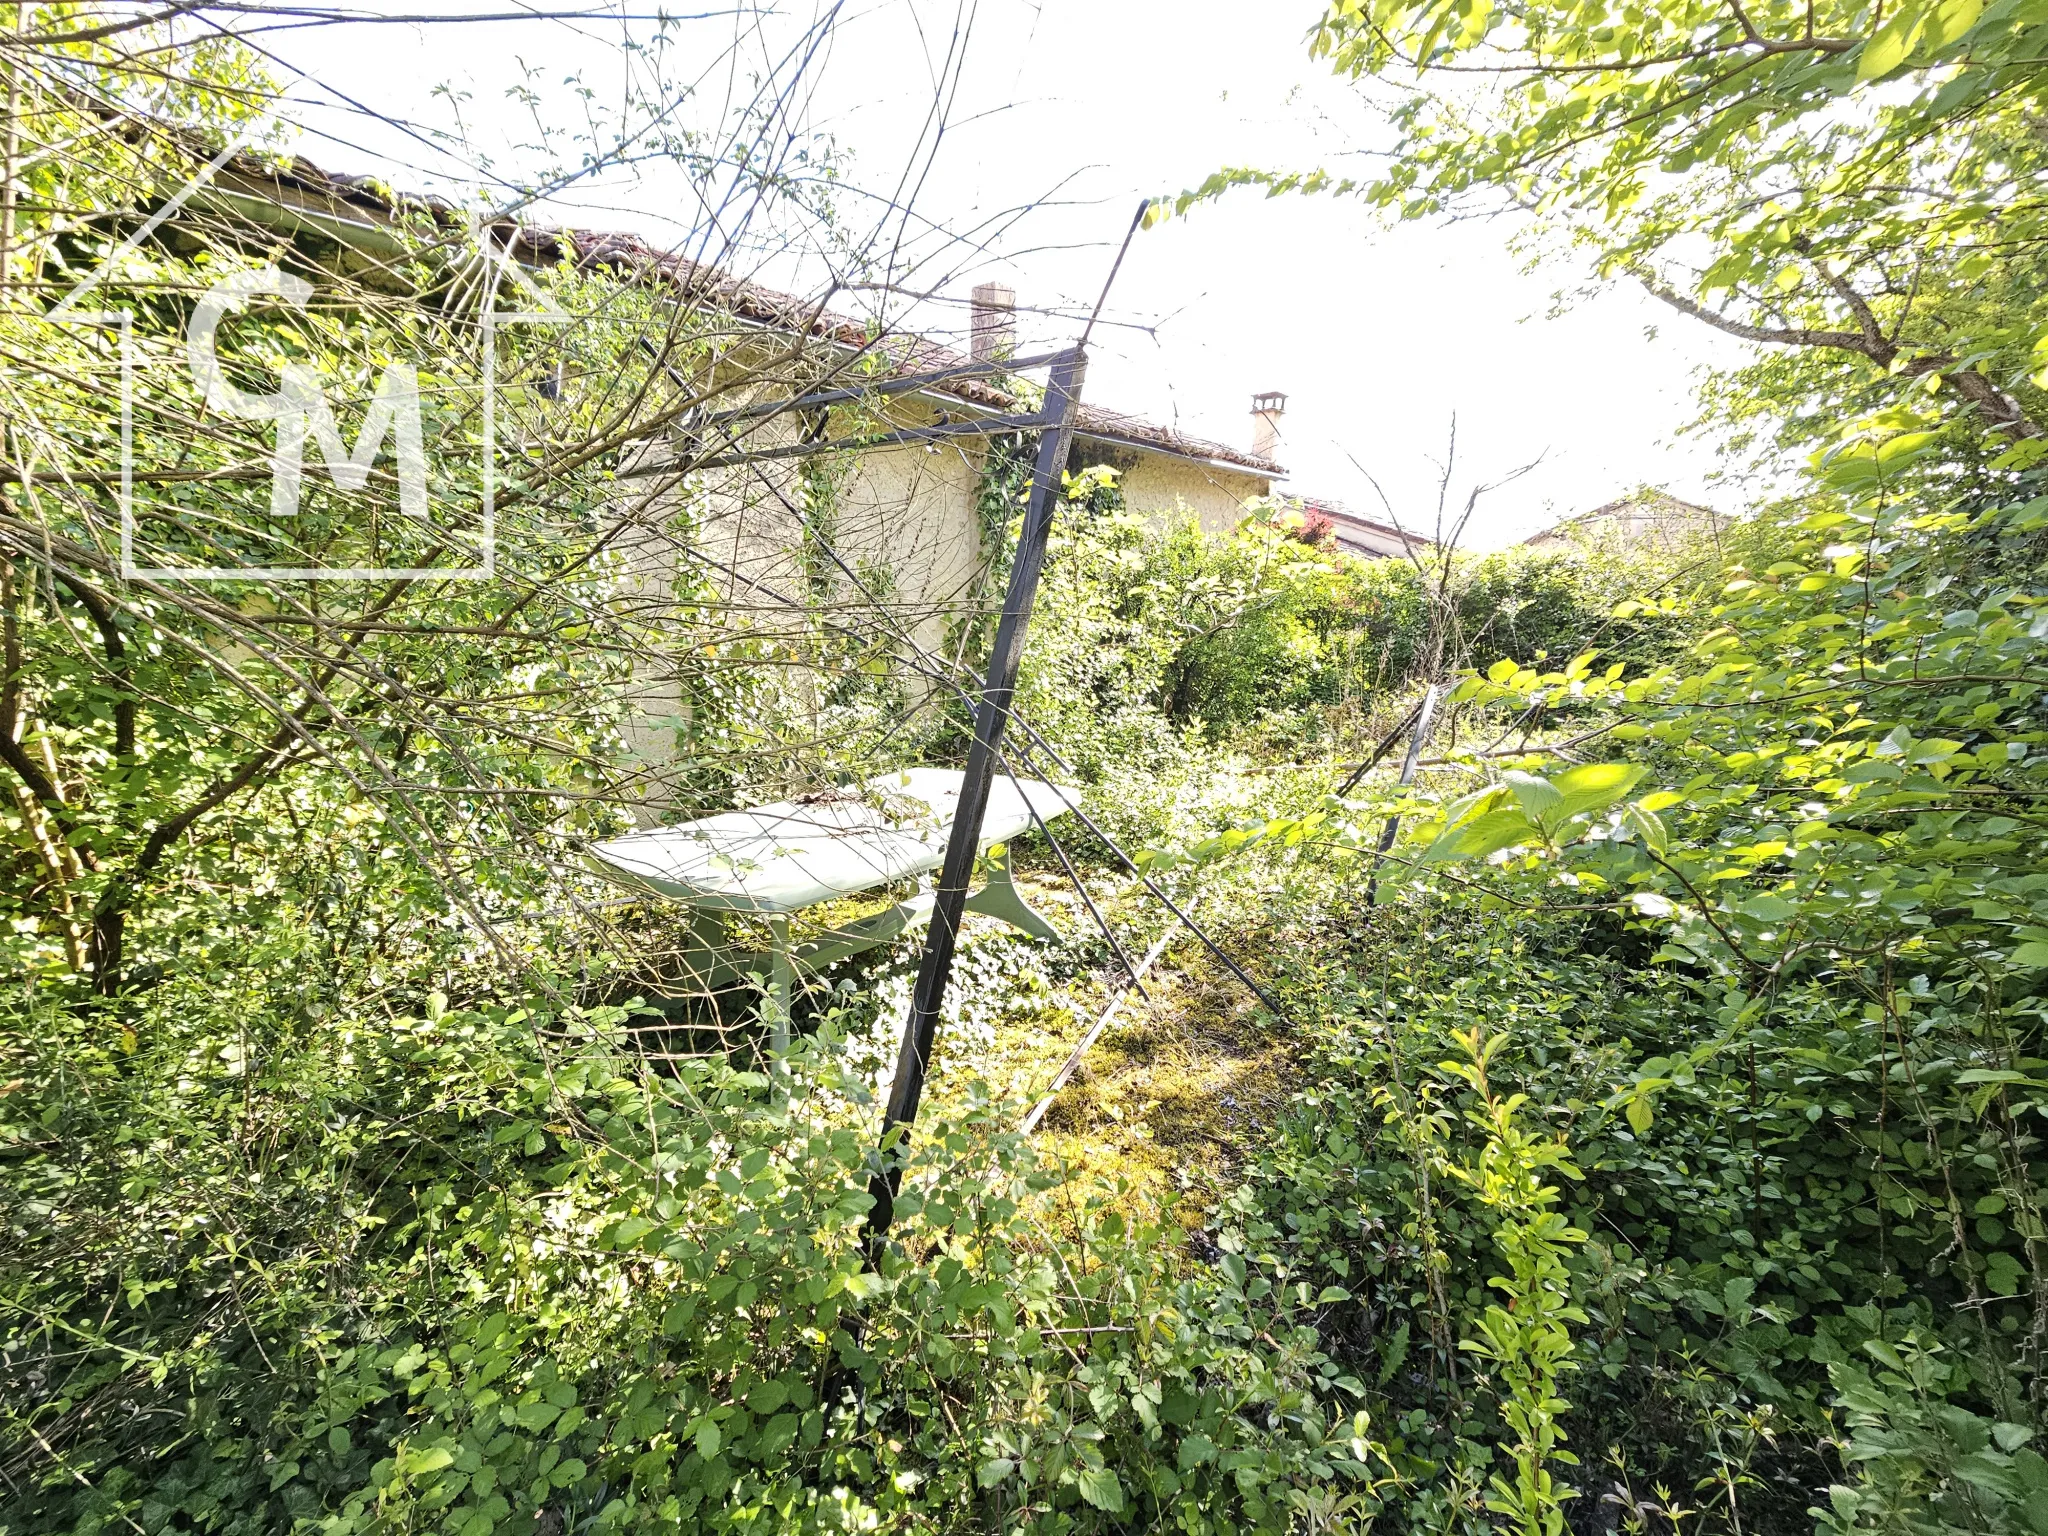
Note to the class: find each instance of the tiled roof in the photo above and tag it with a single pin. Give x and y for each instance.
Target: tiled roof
(907, 353)
(1109, 426)
(1647, 504)
(1343, 517)
(630, 254)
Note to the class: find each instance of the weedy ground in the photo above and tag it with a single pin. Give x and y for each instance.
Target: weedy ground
(1190, 1073)
(1175, 1089)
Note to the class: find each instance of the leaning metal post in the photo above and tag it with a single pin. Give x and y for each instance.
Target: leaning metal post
(935, 968)
(1425, 712)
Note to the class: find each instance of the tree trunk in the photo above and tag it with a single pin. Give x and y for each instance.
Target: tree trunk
(109, 932)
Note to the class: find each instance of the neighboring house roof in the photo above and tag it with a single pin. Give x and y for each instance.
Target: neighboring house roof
(1641, 514)
(1361, 534)
(324, 199)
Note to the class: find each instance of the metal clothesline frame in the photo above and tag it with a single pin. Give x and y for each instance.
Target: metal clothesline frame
(1054, 421)
(992, 716)
(729, 453)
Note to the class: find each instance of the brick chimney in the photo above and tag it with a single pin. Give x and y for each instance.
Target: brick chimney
(1267, 409)
(995, 322)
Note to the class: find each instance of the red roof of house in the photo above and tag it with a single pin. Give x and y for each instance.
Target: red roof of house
(907, 353)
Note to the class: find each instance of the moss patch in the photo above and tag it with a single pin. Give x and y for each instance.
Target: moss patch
(1174, 1090)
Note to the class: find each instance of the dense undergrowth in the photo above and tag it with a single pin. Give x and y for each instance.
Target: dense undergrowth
(1656, 1157)
(480, 1268)
(1649, 1141)
(1774, 1033)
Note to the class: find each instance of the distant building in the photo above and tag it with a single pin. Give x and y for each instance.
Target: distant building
(1643, 517)
(1162, 472)
(1357, 534)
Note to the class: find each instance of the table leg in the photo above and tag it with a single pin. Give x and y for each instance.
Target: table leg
(781, 977)
(1000, 898)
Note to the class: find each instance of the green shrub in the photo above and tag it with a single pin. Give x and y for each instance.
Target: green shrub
(1148, 630)
(482, 1269)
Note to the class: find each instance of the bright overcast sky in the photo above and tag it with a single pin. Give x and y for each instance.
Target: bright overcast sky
(1073, 110)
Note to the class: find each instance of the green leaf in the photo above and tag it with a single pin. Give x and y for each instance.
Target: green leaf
(1482, 836)
(1639, 1113)
(1951, 19)
(1535, 796)
(2002, 1274)
(630, 1231)
(1592, 787)
(2011, 1437)
(1933, 750)
(414, 1463)
(1649, 826)
(1099, 1486)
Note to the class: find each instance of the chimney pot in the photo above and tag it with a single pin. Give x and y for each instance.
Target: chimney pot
(995, 322)
(1267, 409)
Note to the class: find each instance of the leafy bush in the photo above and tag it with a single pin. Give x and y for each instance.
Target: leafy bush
(1150, 630)
(482, 1269)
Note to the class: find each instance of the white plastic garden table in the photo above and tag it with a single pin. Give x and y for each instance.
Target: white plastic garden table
(778, 859)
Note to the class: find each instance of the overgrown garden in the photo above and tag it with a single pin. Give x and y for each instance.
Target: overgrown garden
(1647, 1137)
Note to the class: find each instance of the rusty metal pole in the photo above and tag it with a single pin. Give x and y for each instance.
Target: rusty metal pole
(992, 717)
